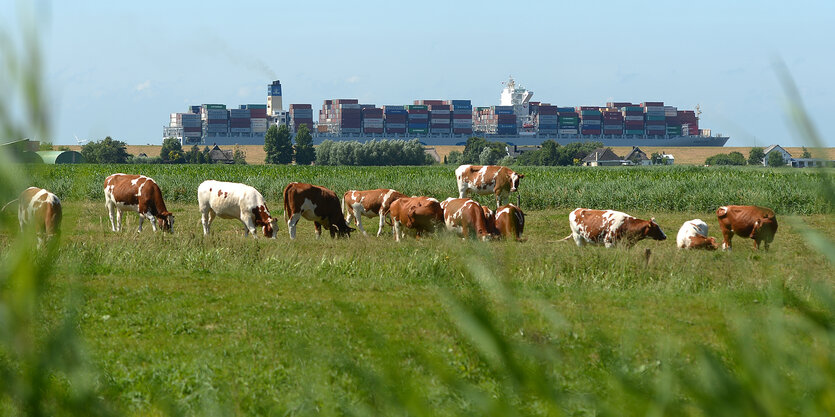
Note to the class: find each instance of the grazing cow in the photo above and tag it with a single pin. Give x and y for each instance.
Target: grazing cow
(42, 210)
(758, 223)
(417, 214)
(317, 204)
(369, 203)
(509, 222)
(136, 193)
(231, 200)
(487, 179)
(466, 217)
(610, 227)
(693, 235)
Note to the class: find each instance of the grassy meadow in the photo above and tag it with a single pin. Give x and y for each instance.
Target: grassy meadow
(226, 325)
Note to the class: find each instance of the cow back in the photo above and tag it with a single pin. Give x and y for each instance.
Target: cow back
(510, 222)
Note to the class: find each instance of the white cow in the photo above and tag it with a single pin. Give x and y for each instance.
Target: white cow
(693, 235)
(231, 200)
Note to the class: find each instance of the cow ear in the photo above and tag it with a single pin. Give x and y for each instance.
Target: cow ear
(652, 220)
(521, 175)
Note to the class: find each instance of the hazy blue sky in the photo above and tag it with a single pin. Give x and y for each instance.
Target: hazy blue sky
(119, 68)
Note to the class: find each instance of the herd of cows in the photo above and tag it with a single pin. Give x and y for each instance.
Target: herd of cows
(416, 215)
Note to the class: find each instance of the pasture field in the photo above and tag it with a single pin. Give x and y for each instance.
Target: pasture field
(677, 188)
(230, 325)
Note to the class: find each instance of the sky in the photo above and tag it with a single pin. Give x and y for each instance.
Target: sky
(120, 68)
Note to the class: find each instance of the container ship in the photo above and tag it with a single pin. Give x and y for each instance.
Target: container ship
(516, 121)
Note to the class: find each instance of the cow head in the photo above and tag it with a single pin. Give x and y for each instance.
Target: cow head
(165, 221)
(514, 181)
(653, 230)
(271, 227)
(341, 229)
(710, 244)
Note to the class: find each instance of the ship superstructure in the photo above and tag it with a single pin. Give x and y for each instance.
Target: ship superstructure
(517, 120)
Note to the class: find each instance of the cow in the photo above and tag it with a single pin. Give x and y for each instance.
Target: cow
(230, 200)
(317, 204)
(509, 222)
(487, 179)
(369, 203)
(693, 235)
(136, 193)
(610, 227)
(466, 217)
(417, 214)
(758, 223)
(42, 210)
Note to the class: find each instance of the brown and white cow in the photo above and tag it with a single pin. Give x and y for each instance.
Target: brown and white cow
(317, 204)
(40, 209)
(758, 223)
(231, 200)
(487, 179)
(466, 217)
(610, 227)
(368, 203)
(509, 222)
(136, 193)
(693, 235)
(417, 214)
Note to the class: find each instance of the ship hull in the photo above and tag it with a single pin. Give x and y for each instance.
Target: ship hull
(527, 140)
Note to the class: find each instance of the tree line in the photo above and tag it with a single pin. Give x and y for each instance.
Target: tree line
(756, 156)
(483, 152)
(112, 151)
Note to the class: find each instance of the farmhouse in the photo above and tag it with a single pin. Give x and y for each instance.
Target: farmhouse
(787, 157)
(638, 157)
(602, 157)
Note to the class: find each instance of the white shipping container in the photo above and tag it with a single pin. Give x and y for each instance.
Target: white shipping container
(567, 131)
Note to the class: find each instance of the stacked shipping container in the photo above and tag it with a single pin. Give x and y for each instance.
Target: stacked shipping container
(633, 119)
(461, 113)
(612, 121)
(215, 117)
(301, 114)
(372, 120)
(239, 121)
(546, 119)
(418, 118)
(590, 120)
(395, 119)
(568, 121)
(439, 118)
(655, 121)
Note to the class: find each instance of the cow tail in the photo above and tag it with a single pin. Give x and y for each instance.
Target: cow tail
(8, 204)
(286, 203)
(567, 237)
(518, 199)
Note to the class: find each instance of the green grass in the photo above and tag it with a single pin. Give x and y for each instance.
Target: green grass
(679, 188)
(363, 325)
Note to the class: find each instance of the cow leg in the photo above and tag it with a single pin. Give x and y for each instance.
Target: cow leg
(726, 239)
(359, 225)
(119, 215)
(111, 212)
(396, 229)
(250, 228)
(756, 244)
(291, 224)
(205, 220)
(318, 228)
(382, 222)
(153, 220)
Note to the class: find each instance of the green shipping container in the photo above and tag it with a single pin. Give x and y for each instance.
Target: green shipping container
(215, 106)
(657, 118)
(633, 132)
(418, 130)
(417, 107)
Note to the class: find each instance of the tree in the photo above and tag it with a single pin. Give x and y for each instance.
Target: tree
(756, 156)
(238, 155)
(490, 156)
(806, 153)
(106, 151)
(775, 159)
(733, 158)
(278, 146)
(46, 146)
(454, 158)
(168, 145)
(176, 157)
(304, 146)
(475, 146)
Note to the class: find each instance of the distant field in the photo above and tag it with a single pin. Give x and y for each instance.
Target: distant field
(684, 156)
(675, 188)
